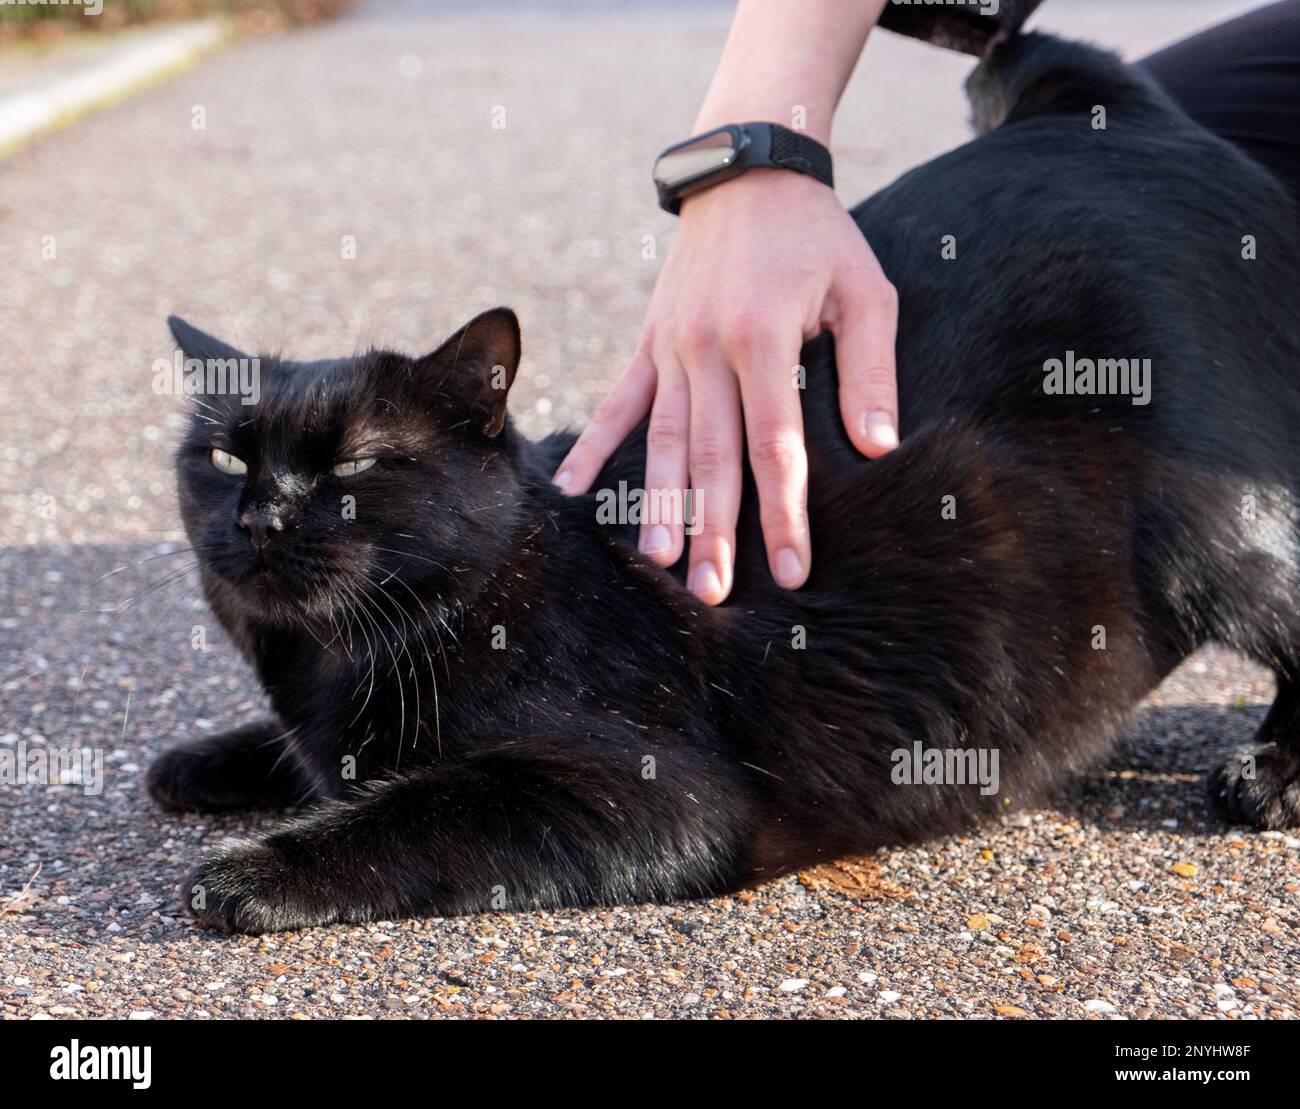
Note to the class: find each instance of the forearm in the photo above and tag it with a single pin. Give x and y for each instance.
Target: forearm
(786, 55)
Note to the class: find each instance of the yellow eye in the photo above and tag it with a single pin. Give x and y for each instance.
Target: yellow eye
(227, 463)
(353, 466)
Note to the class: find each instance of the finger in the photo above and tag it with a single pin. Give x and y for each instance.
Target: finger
(865, 330)
(773, 416)
(625, 406)
(715, 465)
(662, 533)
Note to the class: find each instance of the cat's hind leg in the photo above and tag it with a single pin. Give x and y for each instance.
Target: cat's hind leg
(1248, 555)
(1260, 785)
(248, 767)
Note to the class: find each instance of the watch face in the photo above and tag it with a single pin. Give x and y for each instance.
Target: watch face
(696, 158)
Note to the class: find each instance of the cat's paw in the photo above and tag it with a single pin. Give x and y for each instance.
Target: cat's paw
(1259, 786)
(243, 768)
(172, 783)
(254, 887)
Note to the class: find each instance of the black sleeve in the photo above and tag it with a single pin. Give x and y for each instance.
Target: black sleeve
(967, 25)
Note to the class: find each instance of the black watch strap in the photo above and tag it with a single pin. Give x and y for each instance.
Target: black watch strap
(791, 150)
(716, 156)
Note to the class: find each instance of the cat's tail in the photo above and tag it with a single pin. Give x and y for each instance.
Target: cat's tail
(1036, 75)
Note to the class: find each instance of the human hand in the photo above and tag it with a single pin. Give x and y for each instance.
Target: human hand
(760, 263)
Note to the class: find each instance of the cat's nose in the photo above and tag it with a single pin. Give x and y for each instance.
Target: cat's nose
(260, 527)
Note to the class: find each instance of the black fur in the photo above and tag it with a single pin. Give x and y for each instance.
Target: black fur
(490, 700)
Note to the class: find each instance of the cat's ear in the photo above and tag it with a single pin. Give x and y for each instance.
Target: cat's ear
(480, 361)
(198, 344)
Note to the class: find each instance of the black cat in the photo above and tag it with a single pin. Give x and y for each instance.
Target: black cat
(490, 700)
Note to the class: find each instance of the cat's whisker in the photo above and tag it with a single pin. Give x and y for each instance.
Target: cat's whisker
(153, 557)
(168, 579)
(437, 712)
(412, 554)
(406, 649)
(368, 605)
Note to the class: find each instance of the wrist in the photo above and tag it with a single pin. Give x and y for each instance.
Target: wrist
(705, 161)
(759, 187)
(801, 118)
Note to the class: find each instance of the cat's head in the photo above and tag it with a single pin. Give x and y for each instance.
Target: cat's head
(309, 489)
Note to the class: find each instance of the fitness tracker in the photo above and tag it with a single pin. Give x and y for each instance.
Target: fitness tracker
(696, 164)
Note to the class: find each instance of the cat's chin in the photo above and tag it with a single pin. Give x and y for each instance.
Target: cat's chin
(265, 598)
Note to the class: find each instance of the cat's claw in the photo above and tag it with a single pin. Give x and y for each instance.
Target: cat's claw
(1258, 786)
(253, 887)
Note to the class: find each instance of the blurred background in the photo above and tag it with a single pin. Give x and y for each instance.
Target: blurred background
(374, 172)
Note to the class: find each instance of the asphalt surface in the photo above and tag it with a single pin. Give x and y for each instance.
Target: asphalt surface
(1124, 899)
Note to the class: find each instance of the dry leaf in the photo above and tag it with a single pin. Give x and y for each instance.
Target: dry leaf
(859, 878)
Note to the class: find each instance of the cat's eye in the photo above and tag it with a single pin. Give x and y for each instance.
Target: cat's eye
(353, 466)
(227, 463)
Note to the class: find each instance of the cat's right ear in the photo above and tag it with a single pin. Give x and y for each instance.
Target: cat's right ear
(199, 344)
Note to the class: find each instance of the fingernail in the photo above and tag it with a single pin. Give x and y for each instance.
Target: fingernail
(704, 581)
(657, 541)
(562, 479)
(789, 568)
(878, 429)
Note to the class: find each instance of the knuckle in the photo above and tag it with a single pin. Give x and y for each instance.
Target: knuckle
(884, 296)
(748, 332)
(876, 381)
(782, 527)
(697, 335)
(665, 433)
(776, 451)
(607, 412)
(710, 456)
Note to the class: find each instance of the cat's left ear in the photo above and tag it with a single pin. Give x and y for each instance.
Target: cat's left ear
(199, 344)
(481, 360)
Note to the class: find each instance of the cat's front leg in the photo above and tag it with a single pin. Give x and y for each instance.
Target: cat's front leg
(516, 829)
(245, 768)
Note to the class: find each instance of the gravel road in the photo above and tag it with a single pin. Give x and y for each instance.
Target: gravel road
(1123, 899)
